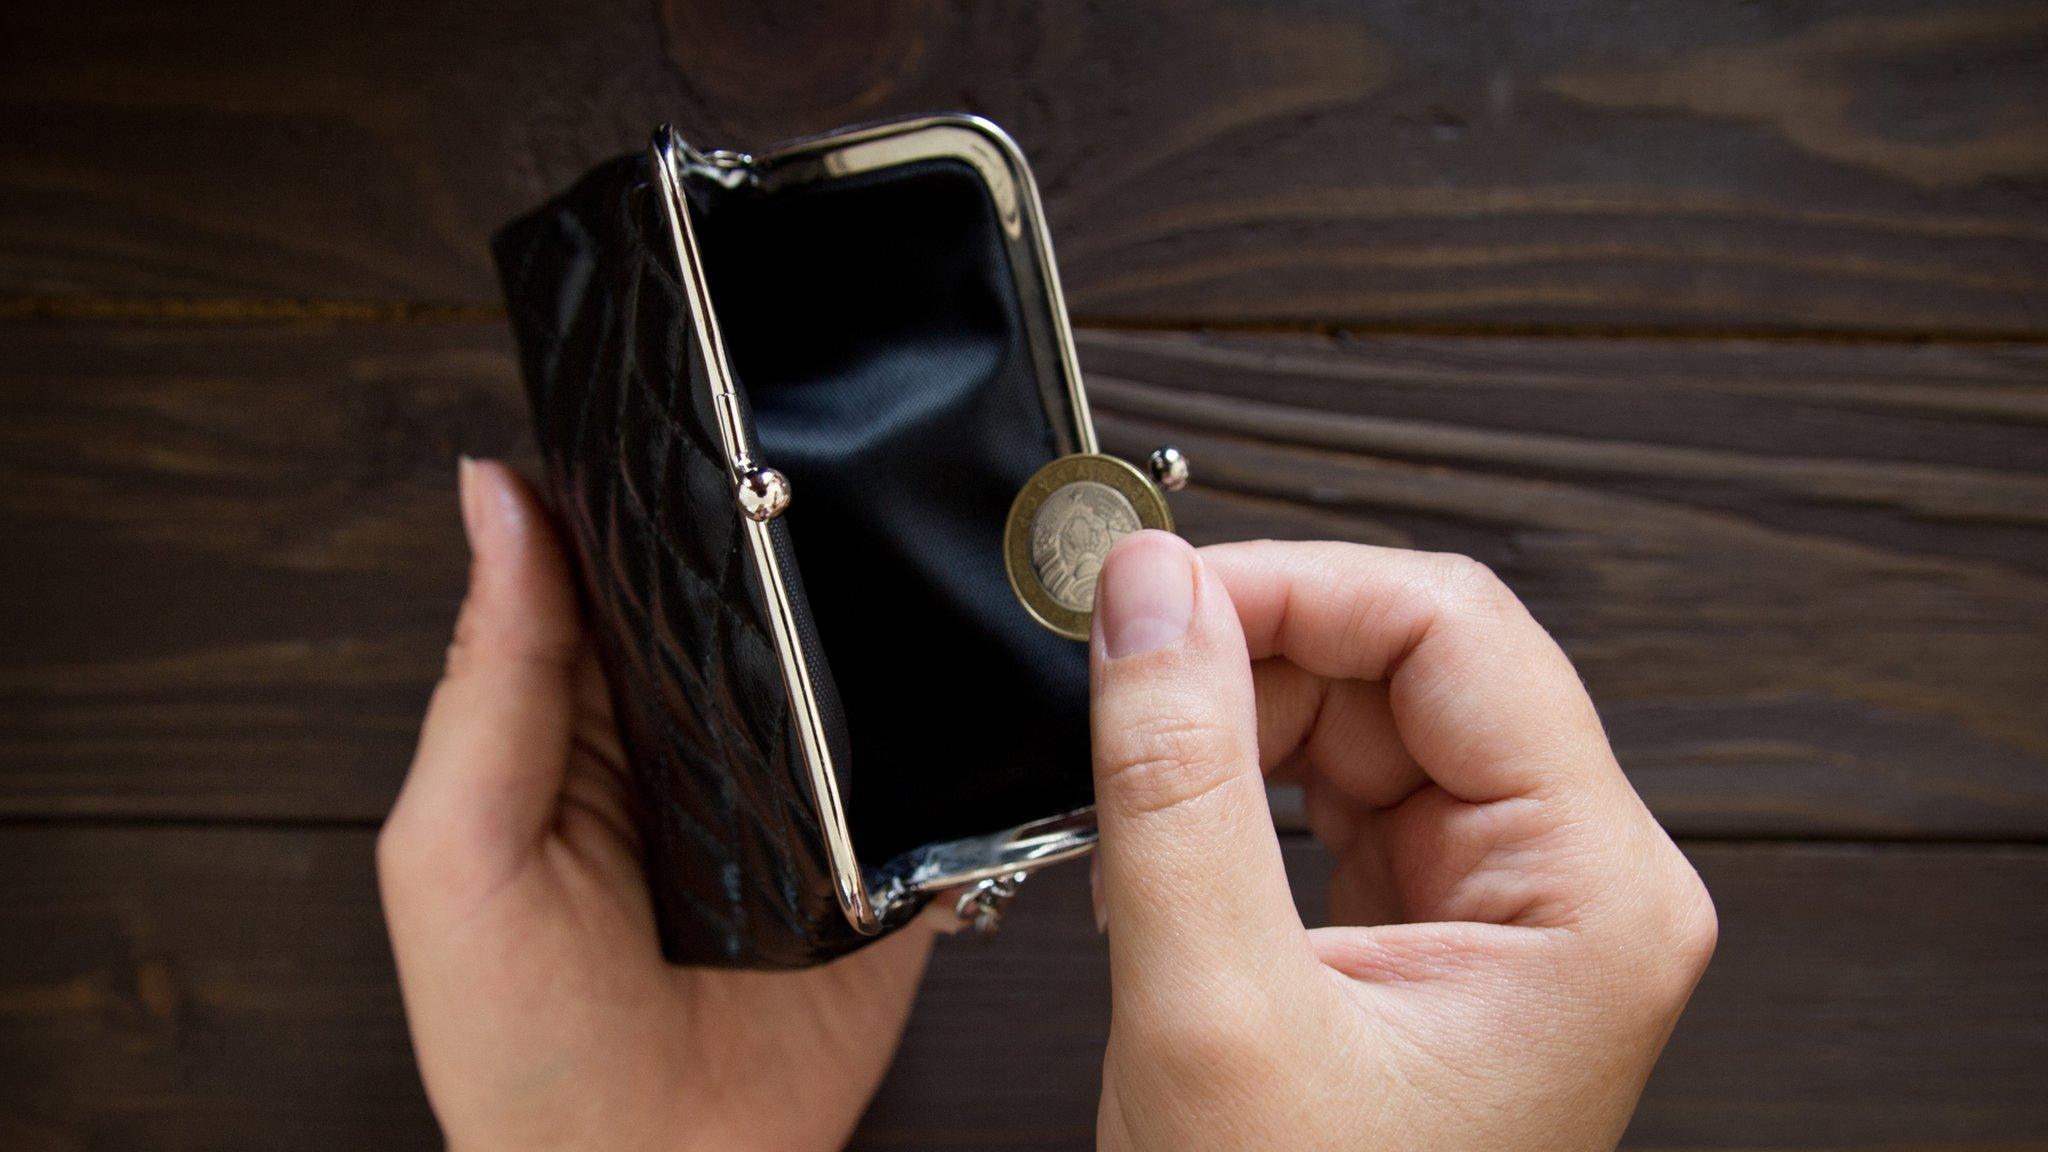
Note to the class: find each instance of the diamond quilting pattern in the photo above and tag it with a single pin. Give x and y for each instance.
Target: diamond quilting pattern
(621, 410)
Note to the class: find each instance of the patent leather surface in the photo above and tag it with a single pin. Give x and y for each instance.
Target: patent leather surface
(622, 414)
(875, 338)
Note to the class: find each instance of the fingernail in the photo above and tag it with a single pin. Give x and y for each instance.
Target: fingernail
(1146, 595)
(466, 496)
(1095, 894)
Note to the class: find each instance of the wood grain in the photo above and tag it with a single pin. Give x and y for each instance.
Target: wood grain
(225, 989)
(196, 989)
(1808, 585)
(1581, 165)
(1793, 528)
(232, 560)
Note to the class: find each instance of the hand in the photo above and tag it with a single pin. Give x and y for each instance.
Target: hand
(541, 1010)
(1516, 934)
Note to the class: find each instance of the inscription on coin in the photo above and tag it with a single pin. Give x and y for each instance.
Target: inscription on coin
(1071, 536)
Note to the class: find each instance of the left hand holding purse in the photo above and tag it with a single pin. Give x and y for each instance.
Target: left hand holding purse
(542, 1012)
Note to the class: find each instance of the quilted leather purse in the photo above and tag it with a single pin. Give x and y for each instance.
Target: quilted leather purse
(834, 703)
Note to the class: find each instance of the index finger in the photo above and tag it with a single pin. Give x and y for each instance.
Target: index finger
(1481, 695)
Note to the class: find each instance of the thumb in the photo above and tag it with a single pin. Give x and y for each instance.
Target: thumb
(487, 776)
(1192, 882)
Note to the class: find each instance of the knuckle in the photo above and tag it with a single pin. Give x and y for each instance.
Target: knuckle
(1166, 761)
(1222, 1038)
(1364, 617)
(395, 851)
(468, 639)
(463, 657)
(1469, 586)
(419, 855)
(1675, 945)
(1693, 929)
(479, 645)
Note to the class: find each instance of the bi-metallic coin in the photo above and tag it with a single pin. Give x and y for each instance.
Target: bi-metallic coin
(1061, 527)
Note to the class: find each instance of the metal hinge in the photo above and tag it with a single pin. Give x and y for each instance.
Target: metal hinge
(722, 166)
(981, 905)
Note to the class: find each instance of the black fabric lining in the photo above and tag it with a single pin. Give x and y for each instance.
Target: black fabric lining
(873, 324)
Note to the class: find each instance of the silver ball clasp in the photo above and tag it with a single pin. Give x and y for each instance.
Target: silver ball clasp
(763, 494)
(1168, 468)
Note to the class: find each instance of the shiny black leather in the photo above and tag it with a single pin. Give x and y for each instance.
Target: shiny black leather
(622, 412)
(872, 323)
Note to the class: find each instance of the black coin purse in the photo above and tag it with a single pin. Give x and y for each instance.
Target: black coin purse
(787, 405)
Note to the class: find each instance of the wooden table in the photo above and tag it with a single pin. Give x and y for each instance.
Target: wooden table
(1718, 330)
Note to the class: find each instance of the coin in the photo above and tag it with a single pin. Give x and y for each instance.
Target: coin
(1071, 536)
(1061, 527)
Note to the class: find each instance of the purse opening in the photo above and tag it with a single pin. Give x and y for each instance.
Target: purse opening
(873, 322)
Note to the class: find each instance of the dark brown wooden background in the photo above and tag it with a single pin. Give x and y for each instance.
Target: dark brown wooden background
(1721, 331)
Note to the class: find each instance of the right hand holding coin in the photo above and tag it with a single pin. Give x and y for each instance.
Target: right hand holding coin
(1513, 935)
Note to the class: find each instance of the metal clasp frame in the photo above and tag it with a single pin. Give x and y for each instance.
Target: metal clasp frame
(989, 867)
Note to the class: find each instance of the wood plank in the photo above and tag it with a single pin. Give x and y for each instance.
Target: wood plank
(1807, 584)
(224, 989)
(194, 988)
(1581, 164)
(232, 560)
(1808, 587)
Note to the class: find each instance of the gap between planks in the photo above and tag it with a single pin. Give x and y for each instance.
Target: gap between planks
(252, 310)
